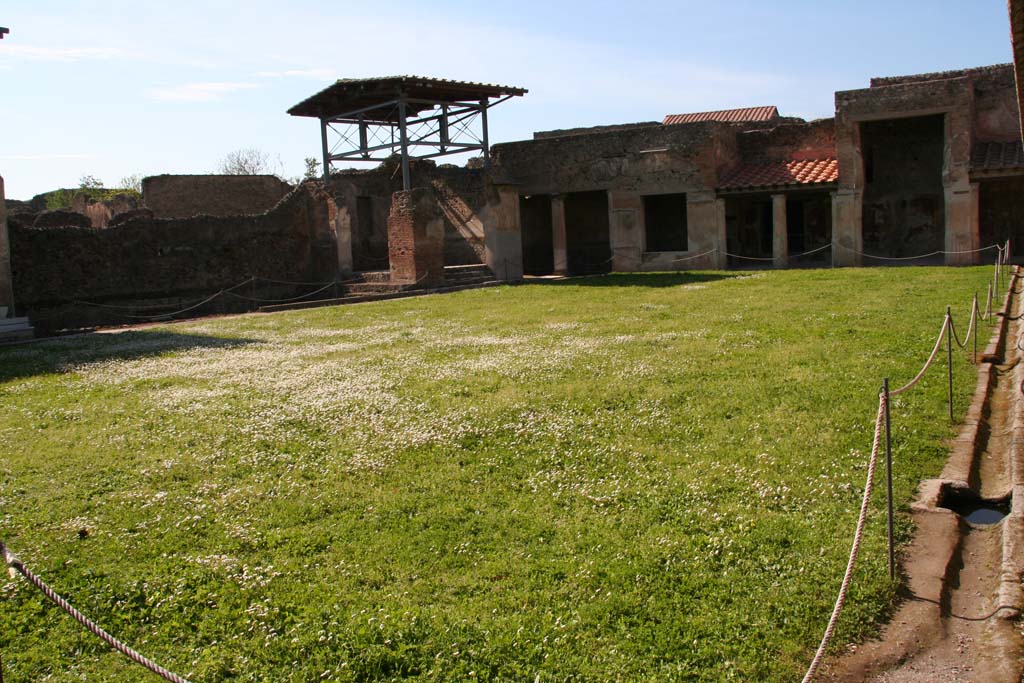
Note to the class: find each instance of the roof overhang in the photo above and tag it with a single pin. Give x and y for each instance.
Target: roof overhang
(372, 97)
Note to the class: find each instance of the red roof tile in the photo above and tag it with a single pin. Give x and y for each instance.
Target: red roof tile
(726, 115)
(996, 156)
(795, 172)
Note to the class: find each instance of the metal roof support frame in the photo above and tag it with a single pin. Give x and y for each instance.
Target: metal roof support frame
(416, 118)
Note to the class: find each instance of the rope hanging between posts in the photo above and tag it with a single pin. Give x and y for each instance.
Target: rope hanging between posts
(970, 328)
(858, 535)
(16, 565)
(928, 363)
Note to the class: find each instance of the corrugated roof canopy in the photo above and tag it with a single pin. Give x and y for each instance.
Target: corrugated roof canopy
(726, 115)
(352, 94)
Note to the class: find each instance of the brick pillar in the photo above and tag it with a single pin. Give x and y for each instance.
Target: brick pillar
(416, 238)
(780, 237)
(558, 237)
(6, 283)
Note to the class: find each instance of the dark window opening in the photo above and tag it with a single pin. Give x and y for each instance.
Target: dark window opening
(665, 222)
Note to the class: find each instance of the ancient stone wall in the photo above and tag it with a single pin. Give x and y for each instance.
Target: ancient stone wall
(588, 130)
(181, 196)
(996, 116)
(365, 196)
(649, 159)
(101, 212)
(154, 257)
(811, 140)
(6, 292)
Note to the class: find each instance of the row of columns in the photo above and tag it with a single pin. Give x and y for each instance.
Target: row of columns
(705, 209)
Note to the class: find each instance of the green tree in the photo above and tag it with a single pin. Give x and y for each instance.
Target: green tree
(312, 168)
(90, 182)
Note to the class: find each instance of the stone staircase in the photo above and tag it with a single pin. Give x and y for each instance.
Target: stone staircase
(375, 285)
(15, 329)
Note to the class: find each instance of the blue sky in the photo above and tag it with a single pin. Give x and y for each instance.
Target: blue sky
(116, 88)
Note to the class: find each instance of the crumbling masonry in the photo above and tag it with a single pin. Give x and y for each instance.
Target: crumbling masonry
(929, 164)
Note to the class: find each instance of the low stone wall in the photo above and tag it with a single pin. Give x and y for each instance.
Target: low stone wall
(181, 196)
(146, 257)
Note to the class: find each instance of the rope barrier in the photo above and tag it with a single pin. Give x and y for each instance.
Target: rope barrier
(858, 535)
(16, 565)
(281, 301)
(695, 256)
(812, 251)
(928, 363)
(911, 258)
(948, 327)
(750, 258)
(160, 316)
(967, 336)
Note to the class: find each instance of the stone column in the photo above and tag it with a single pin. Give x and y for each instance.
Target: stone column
(705, 227)
(627, 235)
(721, 258)
(961, 223)
(416, 238)
(6, 283)
(343, 237)
(847, 200)
(558, 237)
(956, 185)
(780, 238)
(847, 235)
(503, 238)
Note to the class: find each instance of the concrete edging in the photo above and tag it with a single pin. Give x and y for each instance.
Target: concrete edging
(959, 472)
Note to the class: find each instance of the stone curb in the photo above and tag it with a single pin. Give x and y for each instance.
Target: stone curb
(959, 473)
(1011, 595)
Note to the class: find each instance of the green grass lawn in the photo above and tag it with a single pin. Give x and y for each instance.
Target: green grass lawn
(620, 478)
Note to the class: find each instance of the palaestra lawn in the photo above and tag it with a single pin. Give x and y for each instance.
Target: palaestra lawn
(621, 478)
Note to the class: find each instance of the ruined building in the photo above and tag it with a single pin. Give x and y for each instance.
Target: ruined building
(927, 166)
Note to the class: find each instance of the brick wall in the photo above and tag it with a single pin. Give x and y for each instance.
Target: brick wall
(181, 196)
(416, 238)
(158, 257)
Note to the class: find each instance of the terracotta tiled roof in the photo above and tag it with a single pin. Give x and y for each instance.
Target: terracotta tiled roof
(801, 172)
(726, 115)
(996, 156)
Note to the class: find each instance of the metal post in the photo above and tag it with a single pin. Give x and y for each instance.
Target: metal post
(483, 122)
(326, 150)
(406, 181)
(443, 127)
(977, 322)
(888, 477)
(363, 142)
(949, 361)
